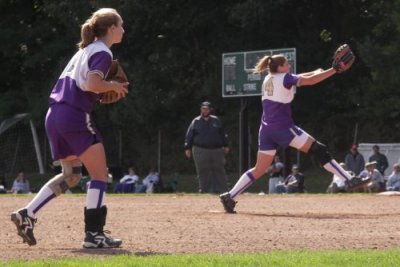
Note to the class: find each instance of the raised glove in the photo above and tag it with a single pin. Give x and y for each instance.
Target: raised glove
(343, 58)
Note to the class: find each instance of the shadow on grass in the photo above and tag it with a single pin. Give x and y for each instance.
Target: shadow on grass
(115, 251)
(102, 251)
(150, 253)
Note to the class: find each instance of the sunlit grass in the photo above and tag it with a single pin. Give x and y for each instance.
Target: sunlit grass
(295, 258)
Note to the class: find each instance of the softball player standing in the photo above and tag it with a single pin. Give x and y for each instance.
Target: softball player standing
(73, 137)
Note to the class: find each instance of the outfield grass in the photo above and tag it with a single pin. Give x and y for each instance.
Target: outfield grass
(297, 258)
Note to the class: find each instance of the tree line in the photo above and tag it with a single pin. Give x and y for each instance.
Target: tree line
(172, 54)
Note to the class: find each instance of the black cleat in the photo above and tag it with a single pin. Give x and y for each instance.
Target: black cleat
(100, 240)
(25, 225)
(228, 202)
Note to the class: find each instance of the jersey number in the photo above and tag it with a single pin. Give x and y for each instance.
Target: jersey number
(269, 87)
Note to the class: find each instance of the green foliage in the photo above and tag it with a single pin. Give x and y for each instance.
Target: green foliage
(380, 51)
(172, 54)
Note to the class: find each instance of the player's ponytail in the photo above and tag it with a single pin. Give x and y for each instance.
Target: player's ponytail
(87, 34)
(262, 64)
(97, 25)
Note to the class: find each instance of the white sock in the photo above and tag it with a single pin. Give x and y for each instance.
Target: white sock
(95, 194)
(333, 167)
(242, 184)
(42, 198)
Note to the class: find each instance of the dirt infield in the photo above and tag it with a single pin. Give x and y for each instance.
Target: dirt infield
(173, 224)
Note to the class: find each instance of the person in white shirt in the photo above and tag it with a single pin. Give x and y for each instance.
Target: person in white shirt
(127, 183)
(148, 182)
(338, 185)
(393, 183)
(20, 184)
(377, 183)
(131, 177)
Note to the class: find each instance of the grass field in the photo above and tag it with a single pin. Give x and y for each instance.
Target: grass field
(295, 258)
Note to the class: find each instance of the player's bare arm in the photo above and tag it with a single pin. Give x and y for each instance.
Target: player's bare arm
(96, 84)
(311, 72)
(315, 77)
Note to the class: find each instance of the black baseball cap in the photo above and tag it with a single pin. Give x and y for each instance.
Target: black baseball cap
(205, 104)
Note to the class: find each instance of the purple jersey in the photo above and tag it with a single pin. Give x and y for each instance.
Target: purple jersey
(278, 91)
(69, 127)
(71, 86)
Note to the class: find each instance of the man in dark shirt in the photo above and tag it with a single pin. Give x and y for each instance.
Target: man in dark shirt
(381, 160)
(354, 160)
(207, 142)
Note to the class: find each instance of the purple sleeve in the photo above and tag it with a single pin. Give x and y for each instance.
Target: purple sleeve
(290, 80)
(100, 61)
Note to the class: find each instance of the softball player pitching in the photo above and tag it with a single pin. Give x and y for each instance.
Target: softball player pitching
(73, 137)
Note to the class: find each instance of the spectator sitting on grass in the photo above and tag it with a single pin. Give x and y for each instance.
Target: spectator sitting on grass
(377, 183)
(338, 185)
(21, 184)
(149, 182)
(294, 183)
(127, 183)
(393, 182)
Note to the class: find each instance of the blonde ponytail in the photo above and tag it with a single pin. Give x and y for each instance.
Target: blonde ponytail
(262, 64)
(270, 63)
(87, 35)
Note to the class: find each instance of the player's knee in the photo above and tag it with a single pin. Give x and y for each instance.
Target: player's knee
(70, 182)
(62, 183)
(73, 180)
(320, 152)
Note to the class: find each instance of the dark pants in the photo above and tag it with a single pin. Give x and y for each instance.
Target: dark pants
(124, 188)
(210, 169)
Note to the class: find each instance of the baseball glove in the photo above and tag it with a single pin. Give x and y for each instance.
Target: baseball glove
(116, 73)
(343, 58)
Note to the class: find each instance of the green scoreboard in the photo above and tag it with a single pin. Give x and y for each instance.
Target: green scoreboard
(238, 77)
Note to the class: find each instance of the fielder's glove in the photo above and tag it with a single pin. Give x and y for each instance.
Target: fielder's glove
(343, 58)
(116, 73)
